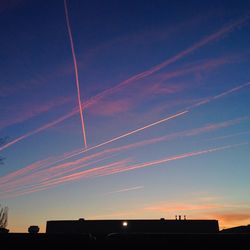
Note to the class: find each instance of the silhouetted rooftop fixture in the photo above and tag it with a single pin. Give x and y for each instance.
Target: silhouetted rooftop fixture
(33, 229)
(179, 217)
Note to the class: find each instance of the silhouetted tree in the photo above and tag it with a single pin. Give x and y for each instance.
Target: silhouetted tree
(3, 217)
(3, 210)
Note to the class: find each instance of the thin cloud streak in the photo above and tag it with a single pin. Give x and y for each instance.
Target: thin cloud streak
(164, 208)
(127, 134)
(72, 177)
(223, 94)
(23, 113)
(213, 37)
(74, 165)
(120, 167)
(177, 157)
(78, 152)
(203, 102)
(126, 190)
(76, 74)
(228, 136)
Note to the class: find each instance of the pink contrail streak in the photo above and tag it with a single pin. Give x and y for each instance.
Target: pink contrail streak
(176, 157)
(225, 93)
(74, 165)
(171, 60)
(136, 77)
(76, 73)
(127, 134)
(125, 190)
(119, 167)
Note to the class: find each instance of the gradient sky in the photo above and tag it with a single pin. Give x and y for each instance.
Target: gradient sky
(139, 62)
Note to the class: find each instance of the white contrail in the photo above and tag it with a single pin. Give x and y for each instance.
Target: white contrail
(76, 74)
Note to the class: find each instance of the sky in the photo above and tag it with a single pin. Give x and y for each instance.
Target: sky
(124, 110)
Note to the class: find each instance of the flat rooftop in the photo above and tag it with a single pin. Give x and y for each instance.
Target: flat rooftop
(83, 226)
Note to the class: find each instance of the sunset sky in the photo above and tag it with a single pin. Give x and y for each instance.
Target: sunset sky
(165, 93)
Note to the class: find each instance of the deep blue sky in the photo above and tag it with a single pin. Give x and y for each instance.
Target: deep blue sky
(205, 45)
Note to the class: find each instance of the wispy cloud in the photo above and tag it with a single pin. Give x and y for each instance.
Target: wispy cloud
(111, 107)
(176, 207)
(223, 94)
(228, 136)
(207, 40)
(46, 169)
(105, 170)
(18, 114)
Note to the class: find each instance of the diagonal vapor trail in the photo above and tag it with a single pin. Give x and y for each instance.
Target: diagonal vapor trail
(120, 167)
(125, 190)
(48, 162)
(225, 93)
(126, 134)
(178, 157)
(45, 174)
(76, 74)
(203, 102)
(85, 173)
(214, 36)
(39, 170)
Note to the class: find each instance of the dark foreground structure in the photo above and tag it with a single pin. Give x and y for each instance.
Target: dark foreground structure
(128, 234)
(106, 227)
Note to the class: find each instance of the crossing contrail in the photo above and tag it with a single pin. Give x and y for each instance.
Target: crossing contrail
(60, 119)
(76, 74)
(93, 100)
(39, 171)
(126, 134)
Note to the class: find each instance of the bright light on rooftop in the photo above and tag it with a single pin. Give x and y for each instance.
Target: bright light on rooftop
(125, 223)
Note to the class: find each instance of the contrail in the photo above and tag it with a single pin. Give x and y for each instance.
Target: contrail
(126, 134)
(42, 128)
(48, 174)
(74, 176)
(215, 36)
(76, 73)
(17, 178)
(176, 157)
(51, 124)
(66, 166)
(119, 167)
(225, 93)
(125, 190)
(228, 136)
(49, 162)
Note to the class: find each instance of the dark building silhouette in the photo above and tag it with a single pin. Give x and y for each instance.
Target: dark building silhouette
(237, 230)
(105, 227)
